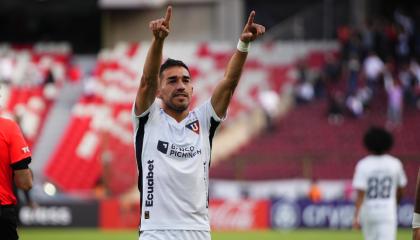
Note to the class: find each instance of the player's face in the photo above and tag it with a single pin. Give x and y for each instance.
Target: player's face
(176, 88)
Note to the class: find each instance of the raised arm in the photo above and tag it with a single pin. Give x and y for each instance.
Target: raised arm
(150, 79)
(224, 90)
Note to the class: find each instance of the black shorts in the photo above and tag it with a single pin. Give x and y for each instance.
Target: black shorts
(8, 223)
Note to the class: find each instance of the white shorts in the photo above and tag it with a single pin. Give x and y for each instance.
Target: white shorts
(379, 231)
(174, 235)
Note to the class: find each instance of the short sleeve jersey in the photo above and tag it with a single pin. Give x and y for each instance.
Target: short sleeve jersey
(13, 149)
(173, 160)
(379, 176)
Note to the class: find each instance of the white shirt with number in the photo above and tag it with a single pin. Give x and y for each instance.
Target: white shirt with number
(173, 160)
(379, 176)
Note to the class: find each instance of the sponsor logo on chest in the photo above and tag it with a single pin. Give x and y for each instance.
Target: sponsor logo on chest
(26, 149)
(175, 151)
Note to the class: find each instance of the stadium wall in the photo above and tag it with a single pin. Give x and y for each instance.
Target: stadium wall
(201, 21)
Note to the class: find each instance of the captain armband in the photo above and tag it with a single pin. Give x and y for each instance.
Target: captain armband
(243, 46)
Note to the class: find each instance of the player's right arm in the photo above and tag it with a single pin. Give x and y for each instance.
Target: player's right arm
(149, 82)
(358, 204)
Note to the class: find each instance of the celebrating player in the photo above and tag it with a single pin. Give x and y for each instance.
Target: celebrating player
(379, 180)
(173, 144)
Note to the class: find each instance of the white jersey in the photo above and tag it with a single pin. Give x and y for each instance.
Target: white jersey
(173, 160)
(379, 176)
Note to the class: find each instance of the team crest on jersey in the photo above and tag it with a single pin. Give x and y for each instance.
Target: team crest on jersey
(194, 126)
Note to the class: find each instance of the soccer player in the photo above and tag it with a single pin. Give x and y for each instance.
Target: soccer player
(379, 179)
(173, 144)
(416, 214)
(15, 157)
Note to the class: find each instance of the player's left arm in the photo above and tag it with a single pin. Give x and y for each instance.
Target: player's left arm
(358, 204)
(23, 179)
(224, 90)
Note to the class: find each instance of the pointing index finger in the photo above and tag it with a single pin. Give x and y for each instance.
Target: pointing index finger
(168, 14)
(251, 18)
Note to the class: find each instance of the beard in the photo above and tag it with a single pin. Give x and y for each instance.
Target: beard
(180, 107)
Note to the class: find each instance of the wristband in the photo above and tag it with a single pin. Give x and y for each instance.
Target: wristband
(416, 220)
(243, 46)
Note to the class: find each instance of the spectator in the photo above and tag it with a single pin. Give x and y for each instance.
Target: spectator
(355, 105)
(269, 101)
(373, 67)
(368, 37)
(6, 69)
(408, 83)
(331, 74)
(415, 70)
(402, 48)
(395, 100)
(353, 68)
(335, 108)
(315, 192)
(304, 90)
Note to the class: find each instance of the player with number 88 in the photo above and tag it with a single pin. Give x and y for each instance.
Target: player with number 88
(379, 179)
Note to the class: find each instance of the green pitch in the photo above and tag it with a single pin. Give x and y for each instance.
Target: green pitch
(91, 234)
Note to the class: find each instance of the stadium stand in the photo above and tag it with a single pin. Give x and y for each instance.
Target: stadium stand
(305, 144)
(31, 76)
(112, 88)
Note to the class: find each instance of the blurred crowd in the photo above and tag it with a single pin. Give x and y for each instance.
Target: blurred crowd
(378, 59)
(32, 65)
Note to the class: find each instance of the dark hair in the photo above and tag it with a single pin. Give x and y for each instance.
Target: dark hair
(377, 140)
(172, 63)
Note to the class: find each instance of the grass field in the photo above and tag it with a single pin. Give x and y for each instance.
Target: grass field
(93, 234)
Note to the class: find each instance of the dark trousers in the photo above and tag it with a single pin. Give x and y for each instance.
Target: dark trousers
(8, 223)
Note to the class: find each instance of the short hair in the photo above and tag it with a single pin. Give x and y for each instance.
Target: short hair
(378, 140)
(172, 63)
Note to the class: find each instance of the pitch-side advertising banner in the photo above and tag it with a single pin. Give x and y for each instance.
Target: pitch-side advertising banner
(242, 214)
(80, 214)
(334, 214)
(224, 215)
(239, 214)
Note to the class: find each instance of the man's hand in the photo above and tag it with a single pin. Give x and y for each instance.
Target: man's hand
(160, 27)
(252, 30)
